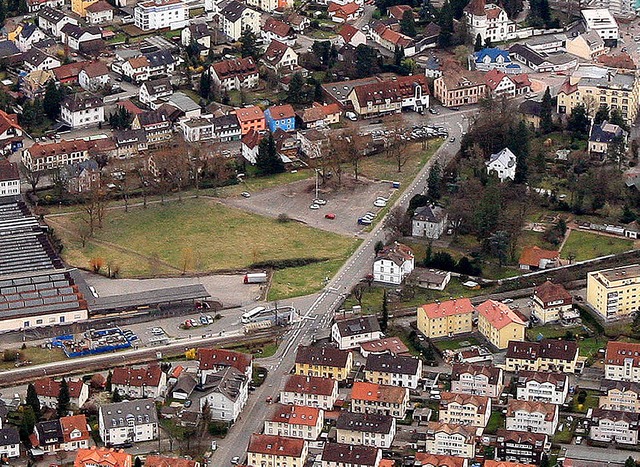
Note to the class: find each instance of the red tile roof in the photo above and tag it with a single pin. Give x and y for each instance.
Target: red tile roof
(239, 67)
(532, 255)
(248, 114)
(137, 377)
(343, 11)
(275, 51)
(103, 457)
(460, 306)
(41, 150)
(73, 423)
(8, 170)
(48, 387)
(162, 461)
(493, 78)
(426, 459)
(397, 11)
(622, 60)
(480, 402)
(139, 62)
(550, 292)
(100, 5)
(393, 345)
(476, 7)
(295, 415)
(378, 392)
(211, 359)
(69, 71)
(277, 27)
(396, 38)
(498, 314)
(301, 384)
(279, 112)
(347, 32)
(618, 352)
(96, 68)
(548, 410)
(276, 445)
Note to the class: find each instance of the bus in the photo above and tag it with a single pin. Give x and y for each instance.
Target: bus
(252, 314)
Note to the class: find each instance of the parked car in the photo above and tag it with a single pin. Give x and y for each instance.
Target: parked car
(330, 215)
(209, 319)
(379, 203)
(245, 194)
(320, 202)
(235, 460)
(314, 206)
(203, 319)
(433, 111)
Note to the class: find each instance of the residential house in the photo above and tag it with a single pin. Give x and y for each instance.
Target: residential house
(429, 221)
(551, 302)
(604, 136)
(380, 399)
(280, 57)
(615, 88)
(128, 422)
(9, 442)
(542, 62)
(52, 21)
(621, 61)
(341, 13)
(391, 96)
(393, 370)
(318, 116)
(34, 84)
(459, 87)
(312, 391)
(79, 6)
(313, 143)
(227, 128)
(102, 457)
(393, 263)
(9, 179)
(295, 421)
(537, 417)
(545, 355)
(272, 5)
(348, 455)
(451, 440)
(212, 361)
(620, 395)
(251, 118)
(46, 156)
(34, 59)
(365, 429)
(499, 324)
(531, 112)
(153, 90)
(10, 133)
(622, 361)
(82, 110)
(94, 77)
(139, 383)
(588, 45)
(477, 380)
(534, 258)
(152, 15)
(207, 127)
(226, 393)
(156, 125)
(198, 33)
(80, 177)
(521, 446)
(491, 58)
(274, 29)
(464, 409)
(489, 21)
(250, 144)
(542, 386)
(236, 17)
(147, 66)
(389, 345)
(99, 12)
(499, 84)
(46, 437)
(432, 279)
(276, 450)
(425, 459)
(502, 164)
(73, 35)
(298, 22)
(495, 463)
(29, 35)
(34, 5)
(48, 390)
(237, 73)
(66, 434)
(445, 319)
(281, 117)
(325, 361)
(613, 426)
(129, 143)
(397, 11)
(603, 23)
(391, 40)
(612, 292)
(349, 333)
(349, 35)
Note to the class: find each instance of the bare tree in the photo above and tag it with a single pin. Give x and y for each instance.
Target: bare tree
(396, 144)
(353, 148)
(397, 222)
(32, 177)
(141, 170)
(94, 208)
(172, 167)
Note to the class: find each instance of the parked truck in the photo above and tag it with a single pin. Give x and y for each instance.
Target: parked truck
(255, 278)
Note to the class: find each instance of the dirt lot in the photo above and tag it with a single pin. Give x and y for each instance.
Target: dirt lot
(353, 200)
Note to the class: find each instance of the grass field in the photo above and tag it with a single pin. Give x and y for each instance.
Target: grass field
(293, 282)
(586, 245)
(36, 355)
(200, 234)
(457, 343)
(496, 421)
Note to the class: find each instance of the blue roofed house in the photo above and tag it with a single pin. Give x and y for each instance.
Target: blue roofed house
(603, 135)
(280, 117)
(491, 58)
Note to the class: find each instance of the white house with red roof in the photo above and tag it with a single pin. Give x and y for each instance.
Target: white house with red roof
(237, 73)
(48, 390)
(349, 35)
(9, 178)
(10, 133)
(138, 383)
(393, 263)
(213, 360)
(343, 13)
(280, 57)
(94, 76)
(499, 84)
(274, 29)
(296, 421)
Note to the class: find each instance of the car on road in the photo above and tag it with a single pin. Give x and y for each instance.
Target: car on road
(209, 319)
(455, 108)
(330, 215)
(320, 202)
(245, 194)
(203, 319)
(314, 206)
(379, 203)
(157, 331)
(452, 139)
(363, 221)
(193, 323)
(433, 111)
(506, 301)
(235, 460)
(578, 439)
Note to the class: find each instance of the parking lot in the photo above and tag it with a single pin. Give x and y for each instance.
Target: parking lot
(346, 206)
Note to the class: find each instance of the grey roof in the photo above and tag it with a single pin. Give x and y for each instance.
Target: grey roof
(151, 297)
(183, 102)
(344, 454)
(232, 11)
(505, 156)
(72, 30)
(387, 363)
(157, 86)
(605, 132)
(227, 382)
(226, 121)
(7, 49)
(186, 384)
(51, 15)
(531, 107)
(125, 137)
(153, 117)
(82, 101)
(365, 422)
(9, 436)
(118, 414)
(199, 30)
(28, 29)
(70, 171)
(49, 432)
(159, 58)
(357, 326)
(429, 214)
(34, 57)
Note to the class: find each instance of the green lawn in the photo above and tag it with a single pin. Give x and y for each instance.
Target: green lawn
(590, 402)
(454, 344)
(496, 421)
(586, 245)
(262, 183)
(203, 234)
(36, 355)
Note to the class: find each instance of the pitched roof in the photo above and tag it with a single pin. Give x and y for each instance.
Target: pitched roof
(549, 292)
(275, 52)
(396, 11)
(118, 414)
(9, 436)
(548, 410)
(607, 385)
(70, 70)
(559, 380)
(476, 8)
(275, 445)
(618, 352)
(251, 139)
(396, 38)
(493, 53)
(294, 415)
(622, 60)
(428, 213)
(341, 10)
(494, 77)
(279, 112)
(492, 373)
(233, 10)
(96, 68)
(138, 62)
(605, 132)
(103, 457)
(546, 349)
(347, 32)
(498, 314)
(214, 358)
(370, 423)
(81, 101)
(137, 377)
(162, 461)
(357, 326)
(468, 432)
(48, 387)
(325, 356)
(461, 306)
(277, 27)
(301, 384)
(8, 170)
(393, 345)
(615, 416)
(235, 67)
(425, 459)
(349, 454)
(521, 437)
(228, 381)
(73, 423)
(480, 402)
(396, 252)
(97, 7)
(532, 255)
(373, 392)
(387, 363)
(248, 114)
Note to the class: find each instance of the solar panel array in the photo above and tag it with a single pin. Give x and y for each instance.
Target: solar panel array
(23, 245)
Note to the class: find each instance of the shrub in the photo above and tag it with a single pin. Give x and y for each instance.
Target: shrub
(283, 218)
(10, 355)
(285, 263)
(218, 429)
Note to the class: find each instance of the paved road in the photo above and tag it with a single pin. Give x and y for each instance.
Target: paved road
(319, 313)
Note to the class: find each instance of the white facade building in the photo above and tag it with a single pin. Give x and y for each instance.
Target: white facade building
(82, 110)
(601, 21)
(542, 386)
(489, 21)
(295, 421)
(9, 178)
(365, 429)
(128, 422)
(613, 426)
(350, 333)
(502, 164)
(393, 263)
(159, 14)
(538, 417)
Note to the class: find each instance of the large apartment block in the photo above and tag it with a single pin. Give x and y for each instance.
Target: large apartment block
(445, 319)
(614, 293)
(622, 361)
